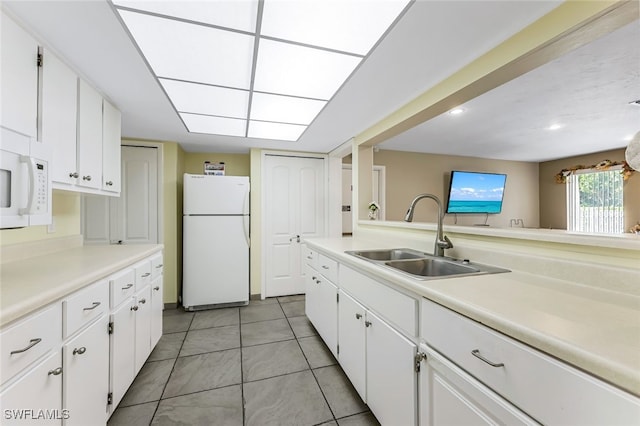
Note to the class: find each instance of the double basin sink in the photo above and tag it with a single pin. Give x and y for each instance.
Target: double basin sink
(424, 266)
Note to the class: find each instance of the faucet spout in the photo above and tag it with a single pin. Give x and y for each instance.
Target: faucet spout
(442, 242)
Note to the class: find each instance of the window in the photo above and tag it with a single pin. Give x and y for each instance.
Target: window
(594, 201)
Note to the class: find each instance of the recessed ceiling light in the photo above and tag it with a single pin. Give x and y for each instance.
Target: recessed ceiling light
(456, 111)
(555, 126)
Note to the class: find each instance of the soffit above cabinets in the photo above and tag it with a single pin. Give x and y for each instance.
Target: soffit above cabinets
(264, 69)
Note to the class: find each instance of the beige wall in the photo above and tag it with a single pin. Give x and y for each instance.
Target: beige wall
(66, 220)
(553, 202)
(235, 164)
(409, 174)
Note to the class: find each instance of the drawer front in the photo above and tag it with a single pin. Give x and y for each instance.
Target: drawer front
(157, 266)
(310, 257)
(397, 308)
(328, 267)
(549, 390)
(122, 286)
(83, 306)
(143, 274)
(29, 339)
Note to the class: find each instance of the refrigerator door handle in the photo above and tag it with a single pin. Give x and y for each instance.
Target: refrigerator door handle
(245, 204)
(245, 228)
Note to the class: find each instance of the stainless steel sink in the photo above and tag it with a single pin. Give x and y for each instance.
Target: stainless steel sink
(432, 267)
(423, 266)
(392, 254)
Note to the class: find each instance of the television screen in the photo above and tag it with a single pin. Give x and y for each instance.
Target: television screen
(473, 192)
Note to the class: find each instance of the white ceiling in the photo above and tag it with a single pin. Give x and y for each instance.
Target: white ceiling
(430, 42)
(586, 91)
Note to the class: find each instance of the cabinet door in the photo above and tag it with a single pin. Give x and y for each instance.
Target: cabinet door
(86, 375)
(89, 136)
(39, 388)
(390, 366)
(311, 292)
(143, 327)
(351, 342)
(122, 350)
(59, 115)
(18, 78)
(156, 311)
(111, 134)
(449, 396)
(327, 318)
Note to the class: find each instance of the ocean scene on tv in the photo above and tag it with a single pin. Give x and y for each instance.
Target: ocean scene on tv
(472, 192)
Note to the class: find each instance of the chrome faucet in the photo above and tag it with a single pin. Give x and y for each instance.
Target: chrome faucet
(442, 242)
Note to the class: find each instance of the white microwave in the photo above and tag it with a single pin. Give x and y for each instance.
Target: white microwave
(25, 181)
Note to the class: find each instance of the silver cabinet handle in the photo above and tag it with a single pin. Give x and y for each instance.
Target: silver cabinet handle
(55, 372)
(87, 178)
(74, 175)
(127, 287)
(143, 301)
(95, 305)
(159, 266)
(368, 324)
(156, 288)
(310, 257)
(325, 267)
(476, 353)
(109, 183)
(134, 308)
(79, 351)
(146, 274)
(358, 316)
(31, 344)
(318, 281)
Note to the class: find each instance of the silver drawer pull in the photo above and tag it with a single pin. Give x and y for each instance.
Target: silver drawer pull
(143, 301)
(368, 324)
(74, 175)
(318, 281)
(127, 287)
(146, 274)
(325, 267)
(134, 308)
(55, 372)
(87, 178)
(95, 305)
(156, 288)
(310, 257)
(79, 351)
(109, 183)
(159, 266)
(358, 316)
(476, 353)
(32, 343)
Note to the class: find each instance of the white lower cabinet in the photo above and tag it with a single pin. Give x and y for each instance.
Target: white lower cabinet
(122, 350)
(36, 397)
(86, 375)
(157, 306)
(321, 306)
(449, 396)
(377, 359)
(143, 327)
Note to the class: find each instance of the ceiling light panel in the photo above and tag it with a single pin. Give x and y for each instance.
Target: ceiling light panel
(284, 109)
(214, 125)
(237, 14)
(278, 131)
(210, 100)
(192, 52)
(346, 25)
(301, 71)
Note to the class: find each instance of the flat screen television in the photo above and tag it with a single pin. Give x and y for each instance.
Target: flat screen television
(474, 192)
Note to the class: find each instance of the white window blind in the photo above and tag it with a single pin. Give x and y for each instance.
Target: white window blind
(595, 201)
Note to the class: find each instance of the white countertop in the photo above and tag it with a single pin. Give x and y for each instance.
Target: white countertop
(593, 329)
(29, 284)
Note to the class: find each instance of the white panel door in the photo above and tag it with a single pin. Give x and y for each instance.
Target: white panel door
(122, 350)
(95, 219)
(89, 136)
(111, 152)
(347, 197)
(294, 202)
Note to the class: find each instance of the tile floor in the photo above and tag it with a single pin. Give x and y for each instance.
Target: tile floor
(262, 364)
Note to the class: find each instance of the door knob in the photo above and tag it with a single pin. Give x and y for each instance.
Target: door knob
(297, 238)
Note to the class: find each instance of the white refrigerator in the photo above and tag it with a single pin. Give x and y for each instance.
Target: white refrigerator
(215, 251)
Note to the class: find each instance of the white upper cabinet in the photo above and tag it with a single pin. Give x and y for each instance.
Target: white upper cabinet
(89, 147)
(111, 129)
(59, 115)
(19, 78)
